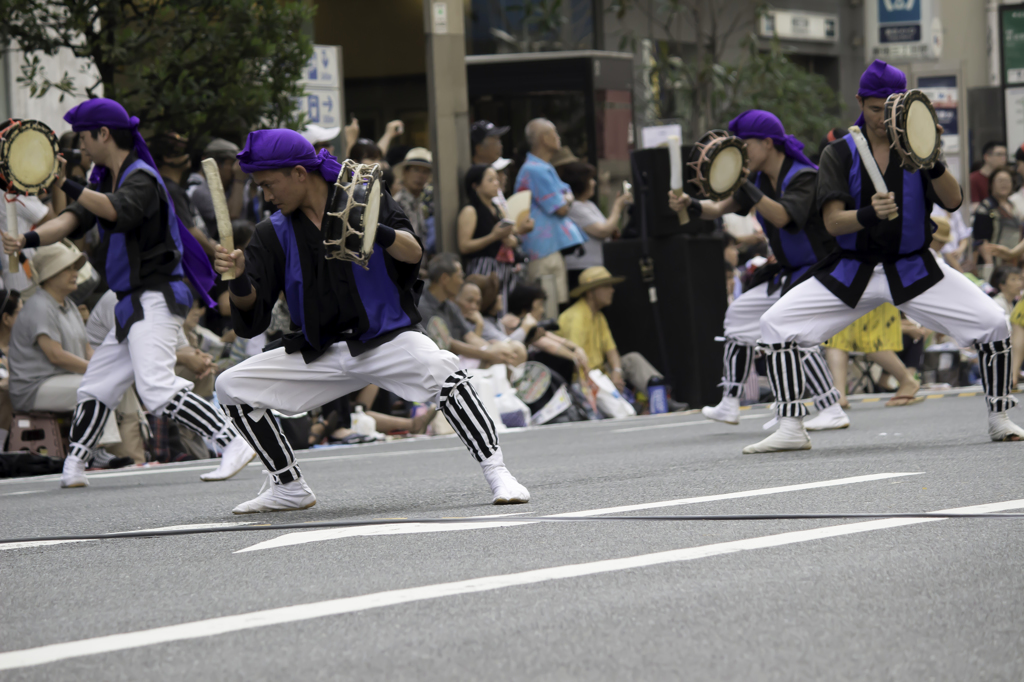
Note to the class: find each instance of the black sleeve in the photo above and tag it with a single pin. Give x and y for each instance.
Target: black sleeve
(834, 176)
(742, 200)
(182, 207)
(264, 263)
(930, 195)
(86, 220)
(983, 222)
(798, 199)
(392, 215)
(136, 200)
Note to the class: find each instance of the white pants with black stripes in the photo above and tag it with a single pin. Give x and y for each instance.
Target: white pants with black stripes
(810, 313)
(410, 366)
(147, 358)
(742, 331)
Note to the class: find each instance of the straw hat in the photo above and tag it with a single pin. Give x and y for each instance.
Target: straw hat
(314, 133)
(563, 156)
(49, 261)
(417, 156)
(594, 277)
(942, 231)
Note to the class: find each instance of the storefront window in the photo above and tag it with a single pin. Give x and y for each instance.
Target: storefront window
(507, 26)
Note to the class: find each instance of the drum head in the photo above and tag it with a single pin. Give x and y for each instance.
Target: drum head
(726, 169)
(29, 156)
(922, 135)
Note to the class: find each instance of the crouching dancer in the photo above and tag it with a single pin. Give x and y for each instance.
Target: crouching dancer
(355, 327)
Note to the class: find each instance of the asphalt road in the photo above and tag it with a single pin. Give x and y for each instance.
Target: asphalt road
(588, 600)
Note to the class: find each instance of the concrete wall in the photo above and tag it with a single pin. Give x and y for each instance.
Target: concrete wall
(49, 109)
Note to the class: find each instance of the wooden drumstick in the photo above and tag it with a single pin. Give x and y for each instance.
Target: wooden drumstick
(675, 183)
(868, 159)
(220, 209)
(12, 227)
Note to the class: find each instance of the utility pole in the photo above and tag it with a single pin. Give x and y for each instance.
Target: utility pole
(448, 102)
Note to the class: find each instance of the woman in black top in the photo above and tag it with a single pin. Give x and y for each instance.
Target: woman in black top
(996, 223)
(486, 238)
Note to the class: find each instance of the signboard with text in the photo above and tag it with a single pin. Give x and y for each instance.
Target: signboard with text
(323, 104)
(1011, 37)
(902, 30)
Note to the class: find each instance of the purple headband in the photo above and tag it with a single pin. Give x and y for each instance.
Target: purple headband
(106, 113)
(283, 148)
(761, 124)
(880, 80)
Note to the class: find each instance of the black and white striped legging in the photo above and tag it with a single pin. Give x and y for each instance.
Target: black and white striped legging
(738, 358)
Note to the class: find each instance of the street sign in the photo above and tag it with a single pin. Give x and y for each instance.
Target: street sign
(902, 30)
(803, 26)
(1011, 20)
(322, 77)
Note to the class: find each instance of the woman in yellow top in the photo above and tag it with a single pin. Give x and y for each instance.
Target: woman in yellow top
(879, 335)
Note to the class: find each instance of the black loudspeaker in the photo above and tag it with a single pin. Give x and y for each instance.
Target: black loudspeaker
(689, 277)
(662, 221)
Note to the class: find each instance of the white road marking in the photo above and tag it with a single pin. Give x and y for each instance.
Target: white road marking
(45, 543)
(23, 492)
(333, 607)
(678, 424)
(305, 536)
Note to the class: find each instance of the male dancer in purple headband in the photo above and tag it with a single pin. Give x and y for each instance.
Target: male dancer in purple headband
(145, 255)
(355, 327)
(879, 261)
(781, 188)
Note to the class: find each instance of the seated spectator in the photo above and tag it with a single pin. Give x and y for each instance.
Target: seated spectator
(49, 349)
(486, 238)
(443, 321)
(523, 322)
(585, 324)
(554, 231)
(996, 223)
(1008, 282)
(468, 301)
(9, 310)
(581, 178)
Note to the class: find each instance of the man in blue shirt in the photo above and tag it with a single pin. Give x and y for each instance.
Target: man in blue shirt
(553, 231)
(881, 260)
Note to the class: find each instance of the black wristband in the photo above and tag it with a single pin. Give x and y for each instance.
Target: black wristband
(385, 236)
(694, 210)
(31, 240)
(867, 217)
(754, 192)
(240, 286)
(936, 171)
(72, 189)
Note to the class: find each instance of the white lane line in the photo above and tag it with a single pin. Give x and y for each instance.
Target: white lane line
(305, 536)
(23, 492)
(176, 469)
(45, 543)
(678, 424)
(292, 614)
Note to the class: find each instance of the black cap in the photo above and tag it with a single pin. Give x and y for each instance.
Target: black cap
(1020, 153)
(483, 129)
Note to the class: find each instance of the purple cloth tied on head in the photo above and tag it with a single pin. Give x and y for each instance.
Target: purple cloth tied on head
(282, 148)
(106, 113)
(761, 124)
(880, 80)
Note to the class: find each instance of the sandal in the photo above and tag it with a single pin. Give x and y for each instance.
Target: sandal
(904, 400)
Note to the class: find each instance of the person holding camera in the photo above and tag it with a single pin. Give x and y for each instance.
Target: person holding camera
(486, 238)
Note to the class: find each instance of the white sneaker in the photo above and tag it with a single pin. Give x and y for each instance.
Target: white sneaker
(234, 458)
(830, 418)
(73, 475)
(279, 497)
(790, 436)
(1000, 428)
(506, 489)
(727, 411)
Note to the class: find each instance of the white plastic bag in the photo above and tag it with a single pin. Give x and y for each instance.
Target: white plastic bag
(363, 423)
(484, 382)
(609, 401)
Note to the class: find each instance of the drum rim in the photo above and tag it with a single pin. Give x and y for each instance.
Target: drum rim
(353, 179)
(709, 146)
(10, 183)
(897, 107)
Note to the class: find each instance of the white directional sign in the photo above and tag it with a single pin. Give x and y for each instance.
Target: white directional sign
(322, 77)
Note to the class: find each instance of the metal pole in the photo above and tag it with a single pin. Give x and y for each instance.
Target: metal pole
(448, 102)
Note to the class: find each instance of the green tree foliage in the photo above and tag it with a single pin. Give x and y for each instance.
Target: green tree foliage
(692, 76)
(202, 68)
